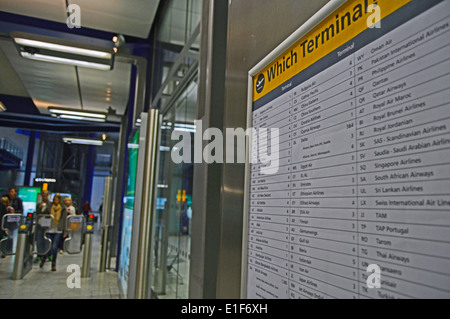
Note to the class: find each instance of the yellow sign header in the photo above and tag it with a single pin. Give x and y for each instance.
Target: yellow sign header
(339, 28)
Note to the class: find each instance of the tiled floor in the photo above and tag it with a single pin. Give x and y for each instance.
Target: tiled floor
(42, 283)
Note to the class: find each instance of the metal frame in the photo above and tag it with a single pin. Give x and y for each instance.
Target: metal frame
(172, 76)
(106, 224)
(316, 19)
(141, 255)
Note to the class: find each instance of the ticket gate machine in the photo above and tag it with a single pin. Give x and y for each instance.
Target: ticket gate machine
(10, 227)
(89, 230)
(75, 229)
(43, 224)
(24, 249)
(23, 232)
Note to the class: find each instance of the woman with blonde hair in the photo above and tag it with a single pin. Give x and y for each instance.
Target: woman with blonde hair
(56, 231)
(67, 211)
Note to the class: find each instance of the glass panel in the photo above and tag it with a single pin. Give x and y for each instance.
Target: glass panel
(127, 223)
(174, 213)
(10, 227)
(43, 243)
(180, 18)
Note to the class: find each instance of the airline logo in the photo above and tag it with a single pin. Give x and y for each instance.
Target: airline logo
(260, 83)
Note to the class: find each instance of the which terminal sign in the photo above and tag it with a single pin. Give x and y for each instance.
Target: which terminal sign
(364, 172)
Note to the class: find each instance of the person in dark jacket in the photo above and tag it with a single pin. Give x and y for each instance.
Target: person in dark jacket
(15, 201)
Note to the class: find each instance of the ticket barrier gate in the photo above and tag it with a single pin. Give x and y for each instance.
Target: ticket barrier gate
(43, 244)
(10, 228)
(75, 229)
(22, 234)
(89, 230)
(23, 261)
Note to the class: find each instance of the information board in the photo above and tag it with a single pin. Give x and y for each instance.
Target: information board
(29, 196)
(364, 157)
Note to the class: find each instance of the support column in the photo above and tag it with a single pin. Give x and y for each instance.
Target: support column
(89, 175)
(30, 155)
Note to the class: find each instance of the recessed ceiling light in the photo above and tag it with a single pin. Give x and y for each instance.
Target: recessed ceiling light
(55, 50)
(82, 141)
(80, 118)
(62, 48)
(86, 114)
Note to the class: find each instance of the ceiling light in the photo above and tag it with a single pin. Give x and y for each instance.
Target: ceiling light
(2, 107)
(86, 114)
(80, 118)
(61, 51)
(62, 48)
(54, 59)
(133, 146)
(82, 141)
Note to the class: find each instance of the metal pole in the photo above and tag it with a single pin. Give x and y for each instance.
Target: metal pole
(105, 222)
(144, 255)
(86, 268)
(112, 208)
(20, 253)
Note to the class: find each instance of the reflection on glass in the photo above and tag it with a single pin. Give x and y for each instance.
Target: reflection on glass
(172, 240)
(127, 222)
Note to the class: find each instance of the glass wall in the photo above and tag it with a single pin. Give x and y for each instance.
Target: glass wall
(127, 221)
(175, 28)
(175, 94)
(174, 208)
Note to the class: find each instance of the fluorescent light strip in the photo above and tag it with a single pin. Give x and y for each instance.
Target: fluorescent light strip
(76, 113)
(53, 59)
(182, 129)
(133, 146)
(185, 126)
(81, 118)
(81, 141)
(2, 107)
(63, 48)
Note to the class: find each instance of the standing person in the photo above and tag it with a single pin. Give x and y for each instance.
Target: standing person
(86, 209)
(42, 208)
(7, 203)
(15, 201)
(69, 210)
(55, 231)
